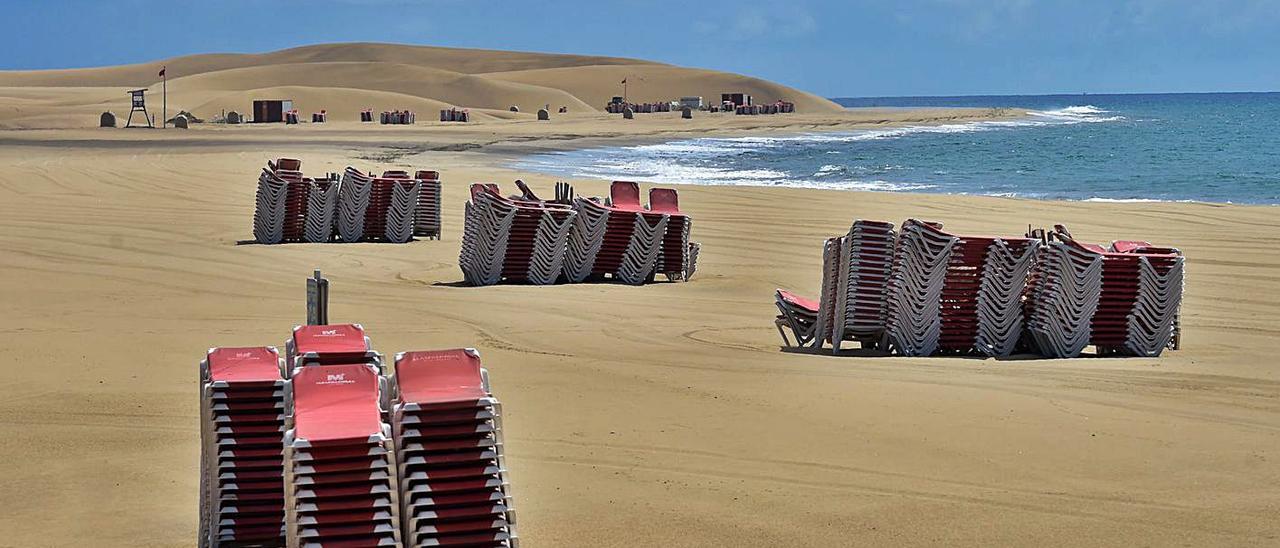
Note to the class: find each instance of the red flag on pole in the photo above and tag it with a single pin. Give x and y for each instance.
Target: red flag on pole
(624, 80)
(161, 71)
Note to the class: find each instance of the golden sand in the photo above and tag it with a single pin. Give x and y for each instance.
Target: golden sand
(662, 415)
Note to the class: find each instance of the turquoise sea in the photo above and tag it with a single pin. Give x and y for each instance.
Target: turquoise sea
(1214, 147)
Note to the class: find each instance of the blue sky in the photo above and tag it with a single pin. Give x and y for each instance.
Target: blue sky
(833, 48)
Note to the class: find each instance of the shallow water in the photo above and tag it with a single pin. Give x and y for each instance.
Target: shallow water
(1202, 147)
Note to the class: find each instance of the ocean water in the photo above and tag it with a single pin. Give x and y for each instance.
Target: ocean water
(1221, 147)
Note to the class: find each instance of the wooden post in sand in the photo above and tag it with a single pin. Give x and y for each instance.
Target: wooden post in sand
(317, 300)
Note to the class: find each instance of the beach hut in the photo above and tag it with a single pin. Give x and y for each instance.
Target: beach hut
(271, 110)
(107, 120)
(737, 99)
(543, 114)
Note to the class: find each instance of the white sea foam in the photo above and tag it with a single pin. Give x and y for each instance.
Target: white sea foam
(1131, 200)
(710, 160)
(1076, 115)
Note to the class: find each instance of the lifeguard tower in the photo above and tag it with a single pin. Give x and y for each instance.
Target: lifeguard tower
(139, 105)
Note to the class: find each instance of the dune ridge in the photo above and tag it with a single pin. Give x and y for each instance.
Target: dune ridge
(426, 76)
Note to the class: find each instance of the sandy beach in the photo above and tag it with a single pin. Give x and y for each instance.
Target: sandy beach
(662, 415)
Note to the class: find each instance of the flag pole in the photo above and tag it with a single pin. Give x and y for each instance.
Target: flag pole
(164, 74)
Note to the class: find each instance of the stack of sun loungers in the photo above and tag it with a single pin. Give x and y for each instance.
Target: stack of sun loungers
(339, 460)
(398, 117)
(427, 215)
(1123, 300)
(512, 239)
(392, 209)
(357, 207)
(242, 400)
(449, 446)
(923, 291)
(454, 115)
(625, 240)
(523, 238)
(955, 293)
(328, 451)
(281, 203)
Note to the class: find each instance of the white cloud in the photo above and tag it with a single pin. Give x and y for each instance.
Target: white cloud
(753, 24)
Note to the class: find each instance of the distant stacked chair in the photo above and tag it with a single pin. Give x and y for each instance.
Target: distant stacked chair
(1136, 302)
(674, 255)
(242, 400)
(281, 203)
(452, 469)
(960, 294)
(860, 307)
(520, 240)
(269, 208)
(811, 322)
(622, 238)
(427, 216)
(981, 297)
(393, 204)
(353, 202)
(1062, 297)
(914, 320)
(322, 207)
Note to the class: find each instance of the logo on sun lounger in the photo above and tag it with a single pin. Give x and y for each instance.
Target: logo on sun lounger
(336, 378)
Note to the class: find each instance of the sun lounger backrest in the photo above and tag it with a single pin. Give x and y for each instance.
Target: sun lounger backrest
(439, 376)
(395, 174)
(289, 164)
(664, 200)
(253, 364)
(335, 402)
(624, 194)
(329, 339)
(802, 302)
(427, 175)
(1126, 246)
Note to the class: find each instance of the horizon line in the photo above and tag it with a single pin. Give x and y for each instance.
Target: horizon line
(1076, 94)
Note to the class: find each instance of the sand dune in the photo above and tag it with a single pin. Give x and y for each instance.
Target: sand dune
(597, 84)
(441, 86)
(469, 61)
(479, 79)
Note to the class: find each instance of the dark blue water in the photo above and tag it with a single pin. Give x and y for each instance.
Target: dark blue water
(1202, 147)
